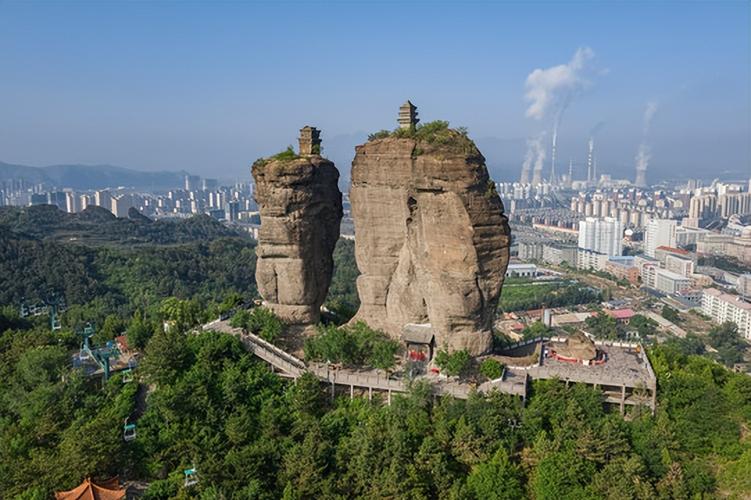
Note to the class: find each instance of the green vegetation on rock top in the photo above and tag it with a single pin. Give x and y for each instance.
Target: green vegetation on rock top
(432, 135)
(288, 154)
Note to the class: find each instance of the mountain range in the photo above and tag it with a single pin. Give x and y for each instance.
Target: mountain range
(92, 176)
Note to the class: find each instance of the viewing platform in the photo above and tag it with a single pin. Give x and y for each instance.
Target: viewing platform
(625, 375)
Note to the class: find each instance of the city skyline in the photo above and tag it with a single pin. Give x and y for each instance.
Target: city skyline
(222, 87)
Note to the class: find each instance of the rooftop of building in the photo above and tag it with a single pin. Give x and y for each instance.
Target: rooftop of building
(519, 265)
(736, 300)
(620, 313)
(666, 248)
(89, 490)
(672, 275)
(625, 365)
(623, 261)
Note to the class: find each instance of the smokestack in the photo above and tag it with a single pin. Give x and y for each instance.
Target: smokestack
(589, 159)
(642, 160)
(570, 172)
(594, 170)
(643, 154)
(553, 154)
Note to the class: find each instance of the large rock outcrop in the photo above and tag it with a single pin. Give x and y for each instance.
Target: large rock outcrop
(432, 242)
(301, 208)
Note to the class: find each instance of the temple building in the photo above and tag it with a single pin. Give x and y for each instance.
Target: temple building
(309, 141)
(408, 116)
(89, 490)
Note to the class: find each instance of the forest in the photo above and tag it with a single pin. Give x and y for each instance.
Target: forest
(200, 400)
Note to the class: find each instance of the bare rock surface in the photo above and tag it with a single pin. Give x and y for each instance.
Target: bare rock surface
(301, 208)
(432, 243)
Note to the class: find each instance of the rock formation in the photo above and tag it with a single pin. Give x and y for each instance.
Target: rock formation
(432, 242)
(301, 208)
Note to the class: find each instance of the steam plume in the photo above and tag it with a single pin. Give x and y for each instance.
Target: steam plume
(643, 153)
(553, 89)
(528, 159)
(539, 151)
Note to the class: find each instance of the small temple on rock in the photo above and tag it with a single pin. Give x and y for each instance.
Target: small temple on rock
(309, 141)
(408, 115)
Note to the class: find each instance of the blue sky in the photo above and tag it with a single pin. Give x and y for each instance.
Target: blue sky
(210, 86)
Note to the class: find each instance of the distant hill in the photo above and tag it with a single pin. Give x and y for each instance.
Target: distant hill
(96, 226)
(92, 176)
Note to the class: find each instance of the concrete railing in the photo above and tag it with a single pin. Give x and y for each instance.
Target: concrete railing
(613, 343)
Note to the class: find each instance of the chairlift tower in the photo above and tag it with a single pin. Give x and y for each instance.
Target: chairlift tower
(100, 355)
(52, 303)
(56, 304)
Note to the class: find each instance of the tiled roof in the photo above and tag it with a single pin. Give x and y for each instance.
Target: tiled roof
(88, 490)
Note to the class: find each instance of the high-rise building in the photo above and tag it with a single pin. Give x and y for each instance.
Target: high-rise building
(192, 182)
(734, 204)
(743, 285)
(57, 198)
(603, 236)
(702, 207)
(659, 232)
(233, 211)
(209, 184)
(72, 202)
(103, 199)
(121, 204)
(722, 307)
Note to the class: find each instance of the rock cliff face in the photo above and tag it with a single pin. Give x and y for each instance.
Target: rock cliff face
(432, 242)
(301, 208)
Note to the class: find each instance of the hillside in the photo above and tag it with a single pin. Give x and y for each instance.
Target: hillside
(96, 225)
(121, 263)
(91, 176)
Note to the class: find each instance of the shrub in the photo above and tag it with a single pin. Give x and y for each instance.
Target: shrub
(452, 364)
(287, 154)
(491, 368)
(259, 321)
(670, 314)
(381, 134)
(352, 345)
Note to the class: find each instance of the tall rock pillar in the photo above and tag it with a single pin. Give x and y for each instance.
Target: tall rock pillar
(431, 239)
(301, 208)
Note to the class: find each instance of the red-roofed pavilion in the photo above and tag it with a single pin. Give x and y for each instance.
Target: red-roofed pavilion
(88, 490)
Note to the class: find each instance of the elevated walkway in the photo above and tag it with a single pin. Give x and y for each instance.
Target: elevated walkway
(628, 379)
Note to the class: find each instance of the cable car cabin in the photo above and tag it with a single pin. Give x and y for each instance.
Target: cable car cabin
(191, 477)
(84, 355)
(127, 376)
(129, 431)
(419, 340)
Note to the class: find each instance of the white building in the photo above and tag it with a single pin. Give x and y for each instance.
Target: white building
(521, 271)
(587, 259)
(121, 204)
(72, 202)
(743, 285)
(670, 282)
(603, 236)
(658, 233)
(103, 199)
(722, 307)
(679, 265)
